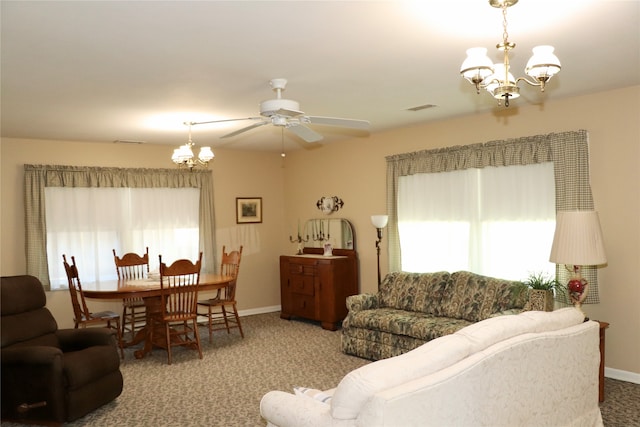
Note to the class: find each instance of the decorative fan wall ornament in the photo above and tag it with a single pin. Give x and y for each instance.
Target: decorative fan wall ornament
(329, 204)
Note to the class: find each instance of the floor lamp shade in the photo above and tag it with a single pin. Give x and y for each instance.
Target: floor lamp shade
(379, 221)
(578, 239)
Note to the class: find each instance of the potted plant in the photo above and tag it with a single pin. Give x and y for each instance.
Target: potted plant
(542, 291)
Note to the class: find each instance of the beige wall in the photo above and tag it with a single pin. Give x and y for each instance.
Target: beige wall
(355, 170)
(236, 174)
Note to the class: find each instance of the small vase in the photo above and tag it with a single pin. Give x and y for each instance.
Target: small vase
(541, 300)
(328, 249)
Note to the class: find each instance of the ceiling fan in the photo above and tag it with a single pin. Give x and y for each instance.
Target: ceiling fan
(286, 114)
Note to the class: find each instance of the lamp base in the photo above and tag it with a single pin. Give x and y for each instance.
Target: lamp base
(578, 290)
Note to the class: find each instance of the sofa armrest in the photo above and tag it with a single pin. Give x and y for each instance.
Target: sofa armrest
(78, 339)
(507, 312)
(362, 302)
(288, 410)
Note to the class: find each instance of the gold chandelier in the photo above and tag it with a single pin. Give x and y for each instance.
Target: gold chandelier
(183, 156)
(478, 69)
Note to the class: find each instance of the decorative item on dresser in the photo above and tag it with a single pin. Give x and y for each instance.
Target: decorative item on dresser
(315, 286)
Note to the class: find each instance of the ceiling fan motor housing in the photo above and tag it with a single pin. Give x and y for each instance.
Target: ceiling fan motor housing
(272, 107)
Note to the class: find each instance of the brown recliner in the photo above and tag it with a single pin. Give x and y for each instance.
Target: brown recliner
(50, 374)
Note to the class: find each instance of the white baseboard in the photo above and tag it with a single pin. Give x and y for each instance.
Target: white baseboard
(617, 374)
(260, 310)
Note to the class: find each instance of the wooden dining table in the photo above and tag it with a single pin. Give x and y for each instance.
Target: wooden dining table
(151, 293)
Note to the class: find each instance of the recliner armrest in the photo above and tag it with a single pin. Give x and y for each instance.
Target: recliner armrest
(362, 302)
(29, 355)
(77, 339)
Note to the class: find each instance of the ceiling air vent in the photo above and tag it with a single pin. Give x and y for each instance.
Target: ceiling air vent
(421, 107)
(127, 141)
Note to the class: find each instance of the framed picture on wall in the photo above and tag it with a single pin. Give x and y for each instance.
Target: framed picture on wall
(248, 210)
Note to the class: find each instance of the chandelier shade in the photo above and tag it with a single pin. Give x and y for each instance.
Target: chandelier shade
(544, 64)
(478, 69)
(183, 156)
(477, 66)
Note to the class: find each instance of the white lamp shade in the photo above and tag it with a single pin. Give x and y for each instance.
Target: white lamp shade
(543, 64)
(205, 154)
(182, 154)
(578, 239)
(379, 221)
(477, 65)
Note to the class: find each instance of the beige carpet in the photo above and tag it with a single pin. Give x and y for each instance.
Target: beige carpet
(225, 388)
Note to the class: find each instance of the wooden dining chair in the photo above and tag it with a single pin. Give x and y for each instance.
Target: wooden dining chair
(222, 311)
(82, 316)
(179, 284)
(132, 266)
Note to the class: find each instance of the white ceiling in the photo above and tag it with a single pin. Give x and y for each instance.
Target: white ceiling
(136, 70)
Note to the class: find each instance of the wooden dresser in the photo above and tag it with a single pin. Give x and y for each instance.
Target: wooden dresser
(315, 287)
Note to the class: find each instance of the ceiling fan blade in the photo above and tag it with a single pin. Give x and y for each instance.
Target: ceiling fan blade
(223, 120)
(334, 121)
(304, 132)
(244, 129)
(289, 113)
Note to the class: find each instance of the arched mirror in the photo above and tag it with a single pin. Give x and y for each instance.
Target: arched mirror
(336, 231)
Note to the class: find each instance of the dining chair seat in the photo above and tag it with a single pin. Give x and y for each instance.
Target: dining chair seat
(179, 316)
(222, 310)
(132, 266)
(82, 316)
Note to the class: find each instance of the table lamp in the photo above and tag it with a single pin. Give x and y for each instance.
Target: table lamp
(379, 222)
(577, 242)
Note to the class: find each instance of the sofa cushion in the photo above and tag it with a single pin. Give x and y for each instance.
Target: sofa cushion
(474, 297)
(420, 292)
(408, 323)
(358, 386)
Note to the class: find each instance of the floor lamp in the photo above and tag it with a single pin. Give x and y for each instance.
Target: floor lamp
(577, 242)
(379, 222)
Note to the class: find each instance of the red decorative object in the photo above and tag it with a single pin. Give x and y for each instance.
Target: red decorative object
(577, 285)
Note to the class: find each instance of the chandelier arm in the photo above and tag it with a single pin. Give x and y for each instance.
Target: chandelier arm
(500, 83)
(531, 82)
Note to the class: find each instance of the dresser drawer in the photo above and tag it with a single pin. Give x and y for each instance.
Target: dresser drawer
(307, 270)
(302, 284)
(303, 306)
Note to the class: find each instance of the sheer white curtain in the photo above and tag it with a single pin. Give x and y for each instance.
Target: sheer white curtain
(497, 221)
(89, 222)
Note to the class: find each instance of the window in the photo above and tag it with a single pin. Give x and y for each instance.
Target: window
(497, 221)
(89, 222)
(37, 178)
(568, 151)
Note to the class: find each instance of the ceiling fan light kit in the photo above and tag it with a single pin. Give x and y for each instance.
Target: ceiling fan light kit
(479, 70)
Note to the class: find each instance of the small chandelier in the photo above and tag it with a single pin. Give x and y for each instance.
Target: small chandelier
(478, 69)
(183, 156)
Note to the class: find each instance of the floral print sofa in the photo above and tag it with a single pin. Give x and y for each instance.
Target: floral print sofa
(411, 309)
